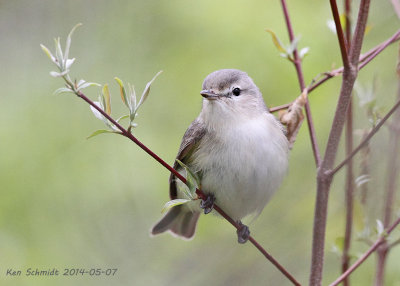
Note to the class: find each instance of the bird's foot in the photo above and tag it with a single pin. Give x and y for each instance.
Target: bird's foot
(243, 233)
(208, 203)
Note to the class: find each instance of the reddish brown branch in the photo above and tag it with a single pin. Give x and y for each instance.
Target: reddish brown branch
(366, 254)
(393, 165)
(391, 182)
(364, 60)
(324, 179)
(340, 34)
(366, 139)
(300, 77)
(349, 194)
(349, 186)
(129, 135)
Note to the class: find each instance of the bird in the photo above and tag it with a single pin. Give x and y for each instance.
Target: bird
(237, 149)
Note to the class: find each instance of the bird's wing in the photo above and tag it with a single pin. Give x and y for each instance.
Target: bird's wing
(189, 143)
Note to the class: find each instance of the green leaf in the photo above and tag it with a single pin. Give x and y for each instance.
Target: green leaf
(68, 42)
(380, 229)
(122, 117)
(122, 91)
(339, 243)
(107, 97)
(293, 45)
(59, 74)
(192, 180)
(132, 101)
(83, 84)
(342, 19)
(303, 52)
(278, 44)
(63, 90)
(98, 132)
(174, 203)
(69, 62)
(59, 54)
(48, 53)
(96, 112)
(146, 91)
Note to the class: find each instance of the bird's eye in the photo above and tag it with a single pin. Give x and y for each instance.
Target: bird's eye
(236, 91)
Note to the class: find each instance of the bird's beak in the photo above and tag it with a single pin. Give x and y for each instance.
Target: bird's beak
(209, 94)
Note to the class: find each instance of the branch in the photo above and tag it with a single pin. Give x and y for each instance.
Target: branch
(359, 32)
(366, 254)
(393, 165)
(297, 64)
(349, 185)
(396, 7)
(364, 60)
(366, 139)
(199, 192)
(392, 174)
(377, 50)
(102, 110)
(340, 35)
(394, 243)
(324, 180)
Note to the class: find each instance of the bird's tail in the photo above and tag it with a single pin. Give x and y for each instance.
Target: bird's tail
(179, 220)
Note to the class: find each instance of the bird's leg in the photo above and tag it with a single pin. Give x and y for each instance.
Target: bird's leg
(208, 203)
(243, 233)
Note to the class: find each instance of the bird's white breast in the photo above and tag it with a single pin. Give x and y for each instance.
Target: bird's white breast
(243, 163)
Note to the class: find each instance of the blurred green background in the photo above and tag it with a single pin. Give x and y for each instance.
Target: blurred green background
(71, 202)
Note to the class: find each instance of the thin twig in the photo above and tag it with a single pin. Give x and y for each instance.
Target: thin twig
(357, 41)
(260, 248)
(366, 139)
(377, 243)
(396, 7)
(340, 34)
(364, 60)
(394, 243)
(129, 135)
(379, 49)
(299, 71)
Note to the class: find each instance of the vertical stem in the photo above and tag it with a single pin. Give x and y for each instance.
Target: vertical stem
(347, 12)
(349, 194)
(349, 188)
(320, 215)
(392, 176)
(340, 35)
(324, 179)
(393, 166)
(300, 77)
(380, 263)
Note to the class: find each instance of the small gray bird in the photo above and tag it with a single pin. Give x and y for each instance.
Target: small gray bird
(238, 150)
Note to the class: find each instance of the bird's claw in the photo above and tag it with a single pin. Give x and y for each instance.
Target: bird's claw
(208, 203)
(243, 233)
